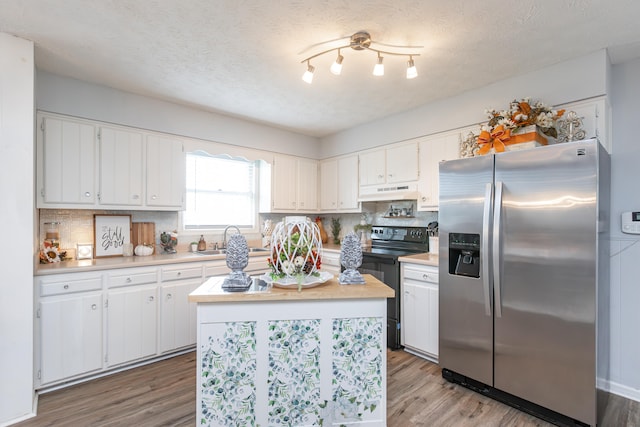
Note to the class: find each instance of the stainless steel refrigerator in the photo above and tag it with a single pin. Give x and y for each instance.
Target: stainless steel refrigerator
(524, 273)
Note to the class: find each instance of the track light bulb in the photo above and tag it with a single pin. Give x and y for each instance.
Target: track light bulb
(307, 77)
(378, 70)
(336, 67)
(412, 72)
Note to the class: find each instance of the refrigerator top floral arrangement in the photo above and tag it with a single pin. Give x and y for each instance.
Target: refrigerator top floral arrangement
(523, 121)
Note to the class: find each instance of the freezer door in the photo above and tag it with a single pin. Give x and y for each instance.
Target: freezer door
(546, 277)
(465, 319)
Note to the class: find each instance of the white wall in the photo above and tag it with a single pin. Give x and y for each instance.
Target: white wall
(625, 250)
(574, 80)
(17, 219)
(73, 97)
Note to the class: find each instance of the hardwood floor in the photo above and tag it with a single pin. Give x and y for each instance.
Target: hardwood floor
(164, 393)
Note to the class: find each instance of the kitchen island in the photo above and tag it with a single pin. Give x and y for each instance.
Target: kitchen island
(273, 356)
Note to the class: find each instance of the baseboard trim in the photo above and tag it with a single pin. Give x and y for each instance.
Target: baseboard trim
(619, 389)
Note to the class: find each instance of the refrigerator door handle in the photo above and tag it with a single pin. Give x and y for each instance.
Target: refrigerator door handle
(486, 218)
(497, 240)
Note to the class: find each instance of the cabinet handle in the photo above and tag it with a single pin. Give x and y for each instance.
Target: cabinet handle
(93, 306)
(424, 199)
(66, 286)
(425, 276)
(168, 296)
(135, 197)
(179, 273)
(128, 280)
(380, 176)
(87, 194)
(154, 197)
(151, 299)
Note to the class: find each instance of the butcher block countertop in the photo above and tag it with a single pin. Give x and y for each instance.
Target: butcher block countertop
(212, 292)
(424, 259)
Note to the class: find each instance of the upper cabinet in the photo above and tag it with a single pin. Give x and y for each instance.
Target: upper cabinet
(339, 185)
(66, 163)
(595, 115)
(396, 163)
(84, 164)
(294, 184)
(433, 150)
(165, 162)
(121, 167)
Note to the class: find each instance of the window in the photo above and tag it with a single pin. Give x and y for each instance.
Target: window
(221, 190)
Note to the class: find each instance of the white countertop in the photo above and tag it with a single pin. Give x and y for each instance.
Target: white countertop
(424, 259)
(75, 266)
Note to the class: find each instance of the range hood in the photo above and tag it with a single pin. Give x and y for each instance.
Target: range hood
(383, 193)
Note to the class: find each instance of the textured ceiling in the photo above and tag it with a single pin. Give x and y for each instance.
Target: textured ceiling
(242, 57)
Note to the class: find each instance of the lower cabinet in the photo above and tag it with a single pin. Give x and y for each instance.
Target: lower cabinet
(132, 326)
(92, 322)
(419, 317)
(177, 314)
(70, 327)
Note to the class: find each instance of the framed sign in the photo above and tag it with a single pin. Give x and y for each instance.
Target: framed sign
(110, 234)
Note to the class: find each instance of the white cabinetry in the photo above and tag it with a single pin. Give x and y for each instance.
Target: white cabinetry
(132, 325)
(165, 166)
(339, 185)
(596, 118)
(66, 163)
(331, 262)
(433, 150)
(419, 317)
(177, 314)
(294, 184)
(84, 164)
(70, 312)
(391, 165)
(121, 167)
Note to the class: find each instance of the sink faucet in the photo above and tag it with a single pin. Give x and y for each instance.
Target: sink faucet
(224, 236)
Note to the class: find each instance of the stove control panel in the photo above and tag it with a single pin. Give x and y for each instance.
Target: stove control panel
(400, 234)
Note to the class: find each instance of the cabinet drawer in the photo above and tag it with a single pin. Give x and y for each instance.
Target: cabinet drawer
(117, 280)
(429, 275)
(215, 270)
(70, 286)
(181, 273)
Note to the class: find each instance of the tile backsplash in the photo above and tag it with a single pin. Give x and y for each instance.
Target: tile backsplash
(76, 225)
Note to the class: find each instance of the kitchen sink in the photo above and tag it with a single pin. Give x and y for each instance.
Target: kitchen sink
(224, 251)
(212, 252)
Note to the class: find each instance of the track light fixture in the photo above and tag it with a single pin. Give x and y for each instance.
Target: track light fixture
(362, 41)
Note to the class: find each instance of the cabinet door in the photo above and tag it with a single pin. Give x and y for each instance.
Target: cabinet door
(348, 183)
(329, 185)
(307, 185)
(121, 167)
(432, 151)
(372, 167)
(402, 163)
(166, 179)
(68, 163)
(131, 324)
(283, 183)
(70, 336)
(595, 115)
(420, 321)
(177, 315)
